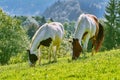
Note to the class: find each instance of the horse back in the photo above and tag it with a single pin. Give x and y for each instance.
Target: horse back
(52, 33)
(94, 18)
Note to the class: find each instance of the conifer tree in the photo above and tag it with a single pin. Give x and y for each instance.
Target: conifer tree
(118, 23)
(111, 16)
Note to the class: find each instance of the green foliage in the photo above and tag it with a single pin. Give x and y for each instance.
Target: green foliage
(69, 29)
(102, 66)
(40, 19)
(50, 20)
(31, 26)
(21, 18)
(112, 16)
(43, 20)
(19, 58)
(13, 39)
(32, 23)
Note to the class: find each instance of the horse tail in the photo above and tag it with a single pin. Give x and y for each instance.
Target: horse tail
(100, 37)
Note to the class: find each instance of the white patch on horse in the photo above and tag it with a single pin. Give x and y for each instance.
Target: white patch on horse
(52, 32)
(84, 24)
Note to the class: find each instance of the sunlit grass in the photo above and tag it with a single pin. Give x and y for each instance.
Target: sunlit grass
(102, 66)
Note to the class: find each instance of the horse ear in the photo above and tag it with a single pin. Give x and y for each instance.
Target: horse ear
(75, 39)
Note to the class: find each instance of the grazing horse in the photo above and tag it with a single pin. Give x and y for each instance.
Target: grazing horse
(49, 35)
(87, 28)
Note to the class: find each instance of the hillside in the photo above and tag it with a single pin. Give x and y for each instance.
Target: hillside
(60, 10)
(68, 10)
(102, 66)
(25, 7)
(63, 11)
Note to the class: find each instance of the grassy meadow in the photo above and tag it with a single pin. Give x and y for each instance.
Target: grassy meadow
(102, 66)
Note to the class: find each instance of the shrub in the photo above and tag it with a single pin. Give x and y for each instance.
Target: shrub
(13, 39)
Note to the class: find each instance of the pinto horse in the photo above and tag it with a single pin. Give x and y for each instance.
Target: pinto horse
(87, 28)
(49, 35)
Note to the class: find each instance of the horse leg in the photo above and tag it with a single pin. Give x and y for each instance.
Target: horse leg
(93, 46)
(39, 56)
(85, 44)
(49, 54)
(54, 53)
(57, 50)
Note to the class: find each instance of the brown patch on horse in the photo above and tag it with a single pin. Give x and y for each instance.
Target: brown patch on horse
(92, 16)
(99, 35)
(84, 35)
(46, 42)
(96, 22)
(77, 49)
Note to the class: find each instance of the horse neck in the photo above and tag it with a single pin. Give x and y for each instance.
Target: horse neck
(35, 42)
(33, 47)
(78, 35)
(80, 28)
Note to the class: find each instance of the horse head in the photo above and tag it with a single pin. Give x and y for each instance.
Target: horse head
(77, 49)
(32, 58)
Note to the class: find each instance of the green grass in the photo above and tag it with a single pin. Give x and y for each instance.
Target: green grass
(102, 66)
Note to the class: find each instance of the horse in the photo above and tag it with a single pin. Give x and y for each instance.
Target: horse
(87, 28)
(49, 35)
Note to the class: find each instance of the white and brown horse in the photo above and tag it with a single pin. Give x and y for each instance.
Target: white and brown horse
(50, 35)
(87, 28)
